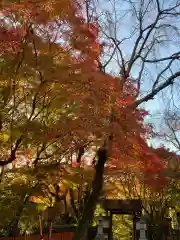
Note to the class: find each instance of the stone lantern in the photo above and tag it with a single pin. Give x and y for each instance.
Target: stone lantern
(141, 225)
(102, 229)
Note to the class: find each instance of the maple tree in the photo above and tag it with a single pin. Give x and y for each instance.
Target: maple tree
(157, 204)
(57, 102)
(118, 183)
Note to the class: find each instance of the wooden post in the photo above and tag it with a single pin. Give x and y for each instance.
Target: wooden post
(50, 229)
(110, 237)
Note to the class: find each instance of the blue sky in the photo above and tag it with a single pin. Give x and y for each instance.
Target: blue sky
(157, 106)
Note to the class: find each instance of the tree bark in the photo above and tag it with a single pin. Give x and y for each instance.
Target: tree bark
(90, 205)
(12, 156)
(13, 230)
(2, 173)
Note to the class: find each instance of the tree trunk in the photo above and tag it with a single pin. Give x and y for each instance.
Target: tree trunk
(13, 230)
(90, 205)
(2, 173)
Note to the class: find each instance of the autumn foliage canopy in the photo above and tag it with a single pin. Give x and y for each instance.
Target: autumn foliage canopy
(55, 96)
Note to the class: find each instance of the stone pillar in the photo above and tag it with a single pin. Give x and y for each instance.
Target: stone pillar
(141, 226)
(135, 220)
(102, 229)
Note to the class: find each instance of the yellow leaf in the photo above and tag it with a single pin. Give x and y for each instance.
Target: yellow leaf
(4, 137)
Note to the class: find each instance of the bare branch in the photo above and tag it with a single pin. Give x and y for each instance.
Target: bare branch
(154, 92)
(121, 55)
(174, 56)
(158, 6)
(160, 74)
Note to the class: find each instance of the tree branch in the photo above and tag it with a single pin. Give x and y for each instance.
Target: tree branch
(154, 92)
(13, 153)
(174, 56)
(160, 74)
